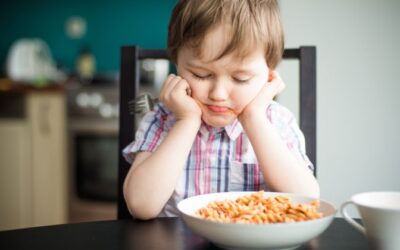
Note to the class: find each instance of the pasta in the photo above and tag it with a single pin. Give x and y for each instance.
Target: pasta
(256, 209)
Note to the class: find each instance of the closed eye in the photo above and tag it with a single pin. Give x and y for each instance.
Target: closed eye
(201, 77)
(241, 81)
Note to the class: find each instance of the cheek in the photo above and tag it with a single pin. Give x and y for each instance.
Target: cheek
(199, 89)
(244, 96)
(194, 88)
(241, 99)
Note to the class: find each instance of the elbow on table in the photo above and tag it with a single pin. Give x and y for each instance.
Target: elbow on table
(140, 210)
(311, 189)
(142, 213)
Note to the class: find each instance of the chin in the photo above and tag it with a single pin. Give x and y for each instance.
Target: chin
(218, 121)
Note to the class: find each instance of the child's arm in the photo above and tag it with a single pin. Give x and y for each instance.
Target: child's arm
(153, 176)
(281, 169)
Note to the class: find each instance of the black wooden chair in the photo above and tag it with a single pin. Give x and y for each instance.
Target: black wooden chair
(129, 89)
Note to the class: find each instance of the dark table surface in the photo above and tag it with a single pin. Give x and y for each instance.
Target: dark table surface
(162, 233)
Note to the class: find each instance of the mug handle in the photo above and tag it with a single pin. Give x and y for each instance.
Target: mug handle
(350, 220)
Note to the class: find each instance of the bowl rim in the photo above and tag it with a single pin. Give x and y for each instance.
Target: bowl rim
(279, 224)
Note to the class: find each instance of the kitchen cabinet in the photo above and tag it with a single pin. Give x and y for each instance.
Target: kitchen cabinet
(33, 163)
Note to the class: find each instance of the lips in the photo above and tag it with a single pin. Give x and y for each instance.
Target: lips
(218, 109)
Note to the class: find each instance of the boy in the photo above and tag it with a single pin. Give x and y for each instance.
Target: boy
(217, 128)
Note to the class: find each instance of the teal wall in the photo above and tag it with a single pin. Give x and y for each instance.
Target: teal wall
(110, 24)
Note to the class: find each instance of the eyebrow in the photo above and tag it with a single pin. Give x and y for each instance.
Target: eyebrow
(194, 65)
(236, 71)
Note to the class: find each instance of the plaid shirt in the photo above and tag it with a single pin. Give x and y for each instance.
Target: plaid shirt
(221, 159)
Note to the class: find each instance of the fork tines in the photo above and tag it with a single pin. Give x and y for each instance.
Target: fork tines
(141, 104)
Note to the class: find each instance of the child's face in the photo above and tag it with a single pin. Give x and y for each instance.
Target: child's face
(223, 87)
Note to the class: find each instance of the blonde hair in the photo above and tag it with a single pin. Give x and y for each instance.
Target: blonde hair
(251, 22)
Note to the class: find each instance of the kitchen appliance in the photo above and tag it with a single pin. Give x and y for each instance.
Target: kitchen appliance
(93, 151)
(29, 61)
(93, 143)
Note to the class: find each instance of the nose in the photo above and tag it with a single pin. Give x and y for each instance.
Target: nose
(219, 91)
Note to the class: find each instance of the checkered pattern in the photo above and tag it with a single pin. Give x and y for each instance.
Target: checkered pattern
(221, 159)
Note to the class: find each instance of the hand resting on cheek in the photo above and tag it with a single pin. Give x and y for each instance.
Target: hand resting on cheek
(176, 95)
(259, 104)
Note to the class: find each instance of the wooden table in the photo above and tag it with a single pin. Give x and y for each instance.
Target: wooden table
(161, 233)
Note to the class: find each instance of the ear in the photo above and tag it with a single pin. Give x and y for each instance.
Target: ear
(271, 75)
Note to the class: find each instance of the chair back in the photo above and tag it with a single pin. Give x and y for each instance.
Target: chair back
(129, 90)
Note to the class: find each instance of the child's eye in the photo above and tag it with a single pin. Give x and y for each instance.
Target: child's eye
(241, 81)
(201, 77)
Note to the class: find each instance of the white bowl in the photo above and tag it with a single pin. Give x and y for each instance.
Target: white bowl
(247, 236)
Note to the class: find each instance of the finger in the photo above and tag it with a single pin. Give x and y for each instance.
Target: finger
(188, 90)
(275, 78)
(271, 75)
(282, 86)
(166, 83)
(182, 87)
(278, 77)
(170, 85)
(279, 85)
(173, 84)
(275, 84)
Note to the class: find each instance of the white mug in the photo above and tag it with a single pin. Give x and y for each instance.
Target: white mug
(380, 214)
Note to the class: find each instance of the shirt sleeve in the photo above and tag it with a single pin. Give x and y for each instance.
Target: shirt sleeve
(151, 132)
(289, 130)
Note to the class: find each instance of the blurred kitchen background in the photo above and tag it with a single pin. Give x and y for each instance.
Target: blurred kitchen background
(59, 64)
(59, 104)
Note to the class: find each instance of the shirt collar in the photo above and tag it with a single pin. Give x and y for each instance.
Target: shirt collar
(233, 130)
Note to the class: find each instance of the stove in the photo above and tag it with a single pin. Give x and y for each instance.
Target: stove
(92, 112)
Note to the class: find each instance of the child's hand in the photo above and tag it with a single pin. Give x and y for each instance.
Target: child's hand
(259, 104)
(176, 95)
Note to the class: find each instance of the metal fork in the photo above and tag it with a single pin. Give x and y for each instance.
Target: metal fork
(142, 104)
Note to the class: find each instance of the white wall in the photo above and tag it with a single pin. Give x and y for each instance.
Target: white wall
(358, 90)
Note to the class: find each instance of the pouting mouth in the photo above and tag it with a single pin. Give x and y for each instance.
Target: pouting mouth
(218, 109)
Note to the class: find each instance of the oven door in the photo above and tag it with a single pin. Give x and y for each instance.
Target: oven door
(96, 166)
(95, 160)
